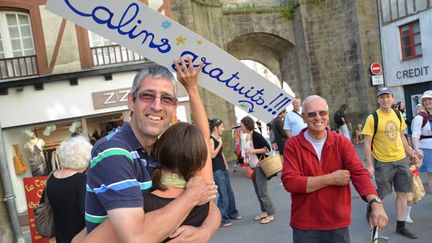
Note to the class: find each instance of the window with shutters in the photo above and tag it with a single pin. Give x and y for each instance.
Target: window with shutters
(410, 40)
(17, 51)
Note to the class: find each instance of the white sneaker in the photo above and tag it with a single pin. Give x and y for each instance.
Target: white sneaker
(409, 221)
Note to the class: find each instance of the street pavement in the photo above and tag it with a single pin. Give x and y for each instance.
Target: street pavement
(248, 230)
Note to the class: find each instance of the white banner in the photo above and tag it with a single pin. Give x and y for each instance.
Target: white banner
(139, 28)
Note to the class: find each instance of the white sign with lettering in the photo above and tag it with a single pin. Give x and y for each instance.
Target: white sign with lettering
(134, 25)
(110, 98)
(377, 80)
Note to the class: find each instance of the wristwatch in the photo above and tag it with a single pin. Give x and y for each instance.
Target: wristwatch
(375, 200)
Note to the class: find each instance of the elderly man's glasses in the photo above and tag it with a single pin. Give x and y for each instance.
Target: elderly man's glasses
(166, 100)
(314, 114)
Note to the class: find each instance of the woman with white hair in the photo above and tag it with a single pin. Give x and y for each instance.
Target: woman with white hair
(66, 188)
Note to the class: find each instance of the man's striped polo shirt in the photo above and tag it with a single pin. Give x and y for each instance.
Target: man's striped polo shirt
(117, 176)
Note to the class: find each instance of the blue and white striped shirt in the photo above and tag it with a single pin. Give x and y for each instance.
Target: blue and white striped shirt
(118, 174)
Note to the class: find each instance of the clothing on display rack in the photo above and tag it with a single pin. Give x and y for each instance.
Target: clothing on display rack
(34, 149)
(51, 159)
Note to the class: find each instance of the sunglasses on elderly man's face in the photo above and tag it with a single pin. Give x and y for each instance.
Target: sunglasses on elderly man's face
(314, 114)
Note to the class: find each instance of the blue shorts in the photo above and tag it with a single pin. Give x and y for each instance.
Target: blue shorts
(427, 161)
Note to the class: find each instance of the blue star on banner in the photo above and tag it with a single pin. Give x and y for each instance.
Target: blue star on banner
(166, 24)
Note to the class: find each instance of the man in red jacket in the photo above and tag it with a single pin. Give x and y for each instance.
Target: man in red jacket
(318, 165)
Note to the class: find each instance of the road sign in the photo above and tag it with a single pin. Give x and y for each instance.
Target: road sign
(375, 68)
(377, 80)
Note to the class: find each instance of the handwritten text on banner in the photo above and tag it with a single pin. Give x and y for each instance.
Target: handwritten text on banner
(162, 40)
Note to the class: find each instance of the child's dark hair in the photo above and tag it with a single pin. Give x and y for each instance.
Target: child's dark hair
(181, 149)
(214, 123)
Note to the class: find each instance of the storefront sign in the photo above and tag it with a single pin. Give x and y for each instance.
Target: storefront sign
(34, 188)
(110, 98)
(413, 72)
(139, 28)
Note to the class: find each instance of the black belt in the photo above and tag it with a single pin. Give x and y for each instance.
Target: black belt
(425, 137)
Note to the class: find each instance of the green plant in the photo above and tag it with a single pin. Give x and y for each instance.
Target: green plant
(288, 9)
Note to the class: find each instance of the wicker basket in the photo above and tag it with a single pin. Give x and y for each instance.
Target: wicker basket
(271, 165)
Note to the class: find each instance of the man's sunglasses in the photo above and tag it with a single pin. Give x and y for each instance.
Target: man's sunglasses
(314, 114)
(167, 100)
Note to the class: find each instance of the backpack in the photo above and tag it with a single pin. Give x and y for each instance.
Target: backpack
(426, 118)
(375, 117)
(338, 118)
(44, 217)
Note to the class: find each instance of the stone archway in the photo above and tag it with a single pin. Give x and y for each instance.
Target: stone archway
(265, 48)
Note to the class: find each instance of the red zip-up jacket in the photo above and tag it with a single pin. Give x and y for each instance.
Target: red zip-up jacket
(330, 207)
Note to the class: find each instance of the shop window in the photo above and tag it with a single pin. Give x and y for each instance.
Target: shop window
(105, 52)
(17, 51)
(410, 40)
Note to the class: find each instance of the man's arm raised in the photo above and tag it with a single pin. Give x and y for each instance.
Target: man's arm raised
(187, 76)
(157, 225)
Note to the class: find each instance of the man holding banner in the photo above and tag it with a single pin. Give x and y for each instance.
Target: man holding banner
(146, 32)
(122, 163)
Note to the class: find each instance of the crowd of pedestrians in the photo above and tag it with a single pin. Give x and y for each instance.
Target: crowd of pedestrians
(317, 162)
(163, 180)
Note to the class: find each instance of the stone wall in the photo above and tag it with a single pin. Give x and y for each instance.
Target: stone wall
(326, 49)
(250, 2)
(370, 44)
(341, 41)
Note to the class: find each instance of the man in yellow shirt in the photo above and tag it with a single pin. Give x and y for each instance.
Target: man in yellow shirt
(389, 151)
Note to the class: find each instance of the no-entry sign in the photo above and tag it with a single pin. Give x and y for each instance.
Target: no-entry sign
(375, 68)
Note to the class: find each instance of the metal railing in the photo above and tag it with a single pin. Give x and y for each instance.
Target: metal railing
(18, 67)
(105, 55)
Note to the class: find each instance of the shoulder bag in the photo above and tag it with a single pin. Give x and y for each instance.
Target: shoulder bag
(44, 217)
(270, 164)
(19, 164)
